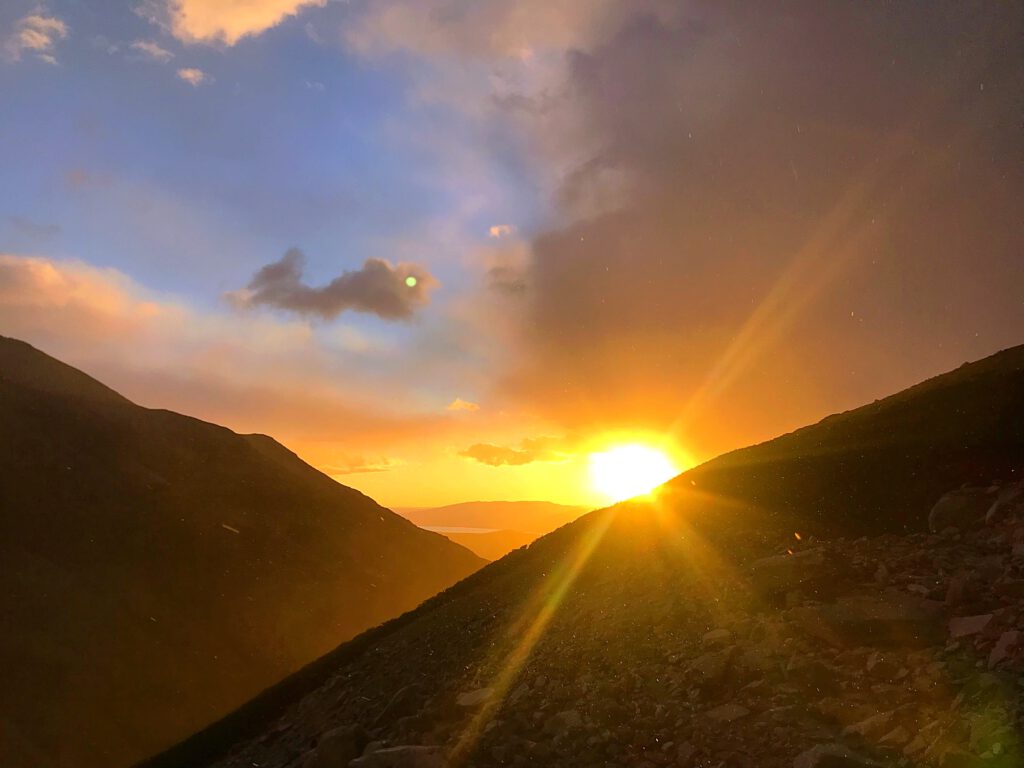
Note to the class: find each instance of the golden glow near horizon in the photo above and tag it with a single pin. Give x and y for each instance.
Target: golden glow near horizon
(625, 471)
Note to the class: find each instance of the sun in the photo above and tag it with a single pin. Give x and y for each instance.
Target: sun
(632, 470)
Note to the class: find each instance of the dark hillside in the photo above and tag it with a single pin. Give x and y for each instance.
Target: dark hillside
(592, 646)
(157, 570)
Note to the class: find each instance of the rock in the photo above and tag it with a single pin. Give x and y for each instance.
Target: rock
(403, 757)
(897, 737)
(957, 590)
(1007, 501)
(339, 746)
(883, 666)
(686, 755)
(961, 509)
(832, 756)
(871, 727)
(403, 703)
(890, 619)
(716, 637)
(563, 721)
(1004, 646)
(964, 626)
(782, 573)
(711, 668)
(727, 713)
(474, 698)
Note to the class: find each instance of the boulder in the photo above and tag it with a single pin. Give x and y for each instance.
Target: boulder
(1004, 647)
(888, 619)
(474, 698)
(716, 637)
(781, 573)
(403, 757)
(727, 713)
(832, 756)
(965, 626)
(403, 703)
(710, 669)
(563, 721)
(337, 747)
(961, 509)
(1009, 500)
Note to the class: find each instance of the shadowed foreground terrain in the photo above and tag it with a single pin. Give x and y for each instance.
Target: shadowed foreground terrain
(156, 570)
(784, 605)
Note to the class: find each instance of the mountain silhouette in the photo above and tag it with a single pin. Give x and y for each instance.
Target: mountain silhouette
(157, 570)
(739, 617)
(535, 517)
(490, 545)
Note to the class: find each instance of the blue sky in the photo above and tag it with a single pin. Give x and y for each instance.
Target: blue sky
(693, 223)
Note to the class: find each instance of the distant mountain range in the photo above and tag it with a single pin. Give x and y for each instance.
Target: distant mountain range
(636, 629)
(495, 527)
(156, 570)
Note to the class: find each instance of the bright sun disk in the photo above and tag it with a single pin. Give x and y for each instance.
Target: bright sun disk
(626, 471)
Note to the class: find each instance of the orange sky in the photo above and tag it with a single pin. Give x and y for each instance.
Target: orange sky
(699, 225)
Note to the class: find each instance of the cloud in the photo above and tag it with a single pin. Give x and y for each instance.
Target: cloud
(192, 76)
(503, 28)
(37, 34)
(153, 51)
(392, 293)
(356, 465)
(499, 230)
(727, 200)
(252, 373)
(458, 404)
(221, 21)
(530, 450)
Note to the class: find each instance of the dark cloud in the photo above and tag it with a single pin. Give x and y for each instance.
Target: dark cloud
(377, 288)
(790, 204)
(530, 450)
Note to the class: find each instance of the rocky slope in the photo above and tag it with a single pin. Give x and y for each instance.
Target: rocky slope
(157, 571)
(887, 650)
(785, 605)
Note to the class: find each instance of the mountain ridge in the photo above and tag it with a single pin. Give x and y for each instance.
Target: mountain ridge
(625, 568)
(152, 563)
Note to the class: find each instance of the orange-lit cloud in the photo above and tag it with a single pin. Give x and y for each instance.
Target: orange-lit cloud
(499, 230)
(222, 21)
(458, 404)
(151, 50)
(530, 450)
(192, 76)
(38, 34)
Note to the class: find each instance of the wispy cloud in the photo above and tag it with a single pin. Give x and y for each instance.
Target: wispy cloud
(153, 51)
(192, 76)
(458, 404)
(37, 34)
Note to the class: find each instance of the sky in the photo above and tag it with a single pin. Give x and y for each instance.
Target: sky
(445, 250)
